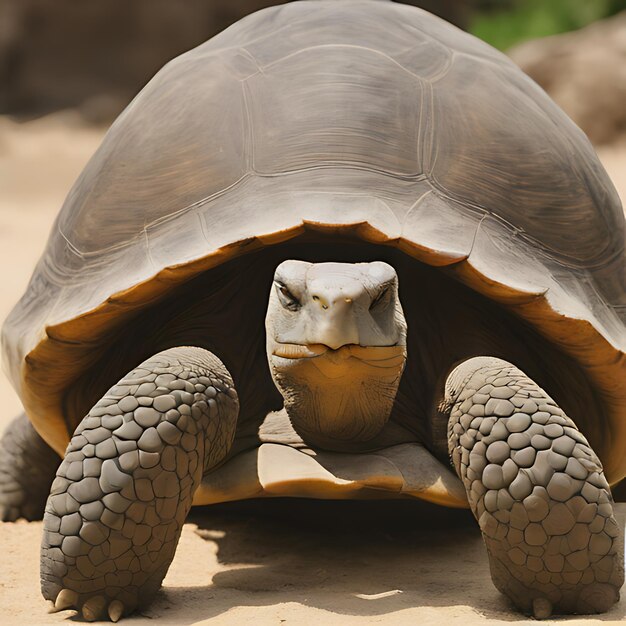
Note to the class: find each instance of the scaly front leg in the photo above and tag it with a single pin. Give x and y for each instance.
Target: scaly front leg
(123, 491)
(537, 490)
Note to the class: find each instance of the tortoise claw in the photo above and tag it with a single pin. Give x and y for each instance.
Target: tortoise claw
(93, 609)
(542, 608)
(66, 599)
(116, 609)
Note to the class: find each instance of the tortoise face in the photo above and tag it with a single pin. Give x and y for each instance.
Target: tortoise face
(336, 345)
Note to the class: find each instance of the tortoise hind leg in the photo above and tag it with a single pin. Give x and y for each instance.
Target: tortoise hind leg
(118, 504)
(27, 469)
(537, 490)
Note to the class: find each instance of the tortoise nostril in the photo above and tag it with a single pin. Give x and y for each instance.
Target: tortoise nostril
(322, 301)
(326, 303)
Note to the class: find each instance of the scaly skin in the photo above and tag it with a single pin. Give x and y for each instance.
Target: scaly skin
(537, 490)
(27, 468)
(123, 491)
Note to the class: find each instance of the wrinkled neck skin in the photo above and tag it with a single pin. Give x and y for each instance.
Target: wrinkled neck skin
(336, 347)
(340, 397)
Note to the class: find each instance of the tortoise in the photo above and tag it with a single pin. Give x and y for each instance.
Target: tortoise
(340, 250)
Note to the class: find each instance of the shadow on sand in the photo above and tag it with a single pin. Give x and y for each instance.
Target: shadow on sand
(351, 558)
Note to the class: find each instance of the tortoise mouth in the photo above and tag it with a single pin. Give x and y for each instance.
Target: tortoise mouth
(378, 356)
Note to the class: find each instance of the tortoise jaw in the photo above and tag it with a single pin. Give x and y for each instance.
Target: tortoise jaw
(299, 351)
(377, 356)
(348, 363)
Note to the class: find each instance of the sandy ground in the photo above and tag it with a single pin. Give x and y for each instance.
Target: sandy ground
(279, 562)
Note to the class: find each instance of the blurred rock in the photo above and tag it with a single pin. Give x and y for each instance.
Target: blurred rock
(585, 73)
(97, 54)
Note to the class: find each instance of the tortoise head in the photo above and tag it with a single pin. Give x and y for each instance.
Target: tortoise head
(336, 345)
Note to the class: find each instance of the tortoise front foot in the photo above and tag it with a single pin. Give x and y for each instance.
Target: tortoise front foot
(27, 468)
(537, 490)
(123, 491)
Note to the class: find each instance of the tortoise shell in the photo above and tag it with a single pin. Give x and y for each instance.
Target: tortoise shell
(312, 123)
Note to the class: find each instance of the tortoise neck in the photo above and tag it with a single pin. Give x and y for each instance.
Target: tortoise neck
(340, 397)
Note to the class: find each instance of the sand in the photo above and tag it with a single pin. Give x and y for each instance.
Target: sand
(277, 562)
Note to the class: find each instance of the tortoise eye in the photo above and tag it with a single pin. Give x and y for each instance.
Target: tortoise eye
(381, 299)
(287, 299)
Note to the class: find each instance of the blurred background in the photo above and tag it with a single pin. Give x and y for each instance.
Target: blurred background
(68, 67)
(94, 55)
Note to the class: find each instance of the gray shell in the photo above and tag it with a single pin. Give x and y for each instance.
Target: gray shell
(330, 113)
